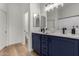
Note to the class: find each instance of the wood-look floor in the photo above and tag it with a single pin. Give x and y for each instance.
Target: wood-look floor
(16, 50)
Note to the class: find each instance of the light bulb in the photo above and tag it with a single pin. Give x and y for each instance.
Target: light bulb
(52, 6)
(35, 15)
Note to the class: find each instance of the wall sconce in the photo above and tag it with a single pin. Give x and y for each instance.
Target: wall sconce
(35, 15)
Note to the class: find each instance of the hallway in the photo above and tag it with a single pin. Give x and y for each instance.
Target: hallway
(16, 50)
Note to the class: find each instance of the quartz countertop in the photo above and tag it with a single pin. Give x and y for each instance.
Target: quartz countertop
(68, 35)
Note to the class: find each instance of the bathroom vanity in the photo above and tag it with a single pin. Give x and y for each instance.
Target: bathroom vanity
(55, 44)
(64, 25)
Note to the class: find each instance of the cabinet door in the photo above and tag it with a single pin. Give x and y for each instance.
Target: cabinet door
(63, 47)
(51, 45)
(36, 42)
(44, 45)
(76, 47)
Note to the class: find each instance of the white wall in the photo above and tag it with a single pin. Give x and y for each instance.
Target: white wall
(66, 11)
(69, 9)
(15, 23)
(34, 8)
(3, 7)
(43, 13)
(42, 9)
(26, 9)
(12, 23)
(3, 25)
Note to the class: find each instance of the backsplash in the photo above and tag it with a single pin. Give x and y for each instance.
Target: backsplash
(68, 23)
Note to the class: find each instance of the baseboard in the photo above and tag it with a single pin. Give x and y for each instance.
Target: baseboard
(30, 50)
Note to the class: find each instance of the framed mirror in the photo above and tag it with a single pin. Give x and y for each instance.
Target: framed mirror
(36, 20)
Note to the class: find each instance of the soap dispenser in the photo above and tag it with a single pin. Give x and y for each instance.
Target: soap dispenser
(77, 29)
(73, 30)
(64, 30)
(43, 30)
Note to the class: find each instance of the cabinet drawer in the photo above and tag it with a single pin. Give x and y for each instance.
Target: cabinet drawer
(44, 45)
(43, 42)
(43, 36)
(44, 50)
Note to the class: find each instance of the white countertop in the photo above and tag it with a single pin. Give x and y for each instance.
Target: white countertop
(75, 36)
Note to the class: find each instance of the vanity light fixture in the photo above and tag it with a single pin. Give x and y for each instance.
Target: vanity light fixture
(51, 6)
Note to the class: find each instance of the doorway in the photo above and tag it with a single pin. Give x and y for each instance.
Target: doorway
(3, 30)
(26, 27)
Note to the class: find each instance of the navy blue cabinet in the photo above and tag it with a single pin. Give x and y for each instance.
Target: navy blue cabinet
(63, 47)
(47, 45)
(51, 45)
(44, 45)
(36, 42)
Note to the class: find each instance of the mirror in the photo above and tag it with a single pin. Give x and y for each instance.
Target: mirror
(36, 22)
(43, 21)
(51, 19)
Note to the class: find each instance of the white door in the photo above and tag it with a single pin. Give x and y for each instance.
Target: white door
(26, 21)
(3, 33)
(26, 26)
